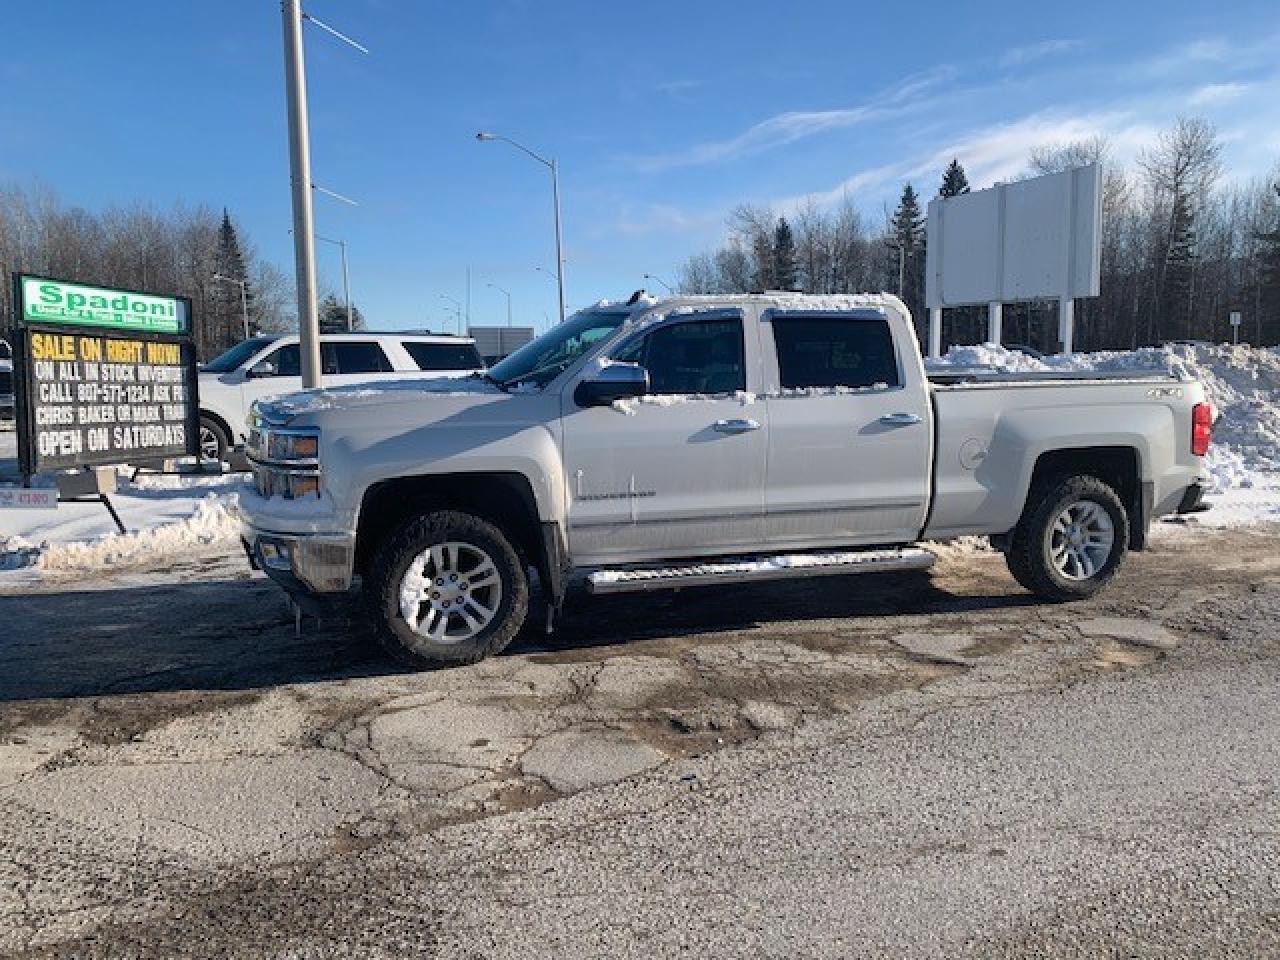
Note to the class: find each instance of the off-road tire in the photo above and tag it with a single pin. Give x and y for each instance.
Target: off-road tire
(398, 551)
(1028, 556)
(215, 428)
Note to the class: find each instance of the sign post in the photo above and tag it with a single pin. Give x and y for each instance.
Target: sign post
(1236, 320)
(101, 376)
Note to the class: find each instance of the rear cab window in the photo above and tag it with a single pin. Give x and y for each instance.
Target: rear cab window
(836, 351)
(443, 356)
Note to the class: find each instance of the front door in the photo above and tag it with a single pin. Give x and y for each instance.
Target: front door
(849, 437)
(680, 472)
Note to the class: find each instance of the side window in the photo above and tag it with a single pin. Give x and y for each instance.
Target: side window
(443, 356)
(353, 356)
(288, 361)
(835, 352)
(702, 356)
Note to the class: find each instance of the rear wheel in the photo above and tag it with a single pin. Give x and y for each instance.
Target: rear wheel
(213, 440)
(446, 589)
(1071, 538)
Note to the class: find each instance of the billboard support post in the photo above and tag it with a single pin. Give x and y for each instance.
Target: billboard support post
(1066, 324)
(935, 331)
(995, 321)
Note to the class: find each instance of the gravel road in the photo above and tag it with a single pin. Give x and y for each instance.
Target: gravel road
(893, 766)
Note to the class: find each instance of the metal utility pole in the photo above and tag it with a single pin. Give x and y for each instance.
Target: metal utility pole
(508, 295)
(244, 299)
(554, 166)
(346, 279)
(304, 246)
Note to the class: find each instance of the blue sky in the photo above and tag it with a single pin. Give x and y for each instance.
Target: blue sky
(663, 117)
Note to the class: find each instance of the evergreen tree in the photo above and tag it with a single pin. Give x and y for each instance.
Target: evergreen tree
(954, 180)
(332, 316)
(784, 256)
(906, 252)
(1176, 290)
(224, 324)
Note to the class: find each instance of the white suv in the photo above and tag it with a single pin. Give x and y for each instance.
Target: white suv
(267, 366)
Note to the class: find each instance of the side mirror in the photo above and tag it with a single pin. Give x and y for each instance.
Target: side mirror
(614, 382)
(263, 368)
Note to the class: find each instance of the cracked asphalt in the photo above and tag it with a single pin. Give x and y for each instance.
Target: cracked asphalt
(890, 766)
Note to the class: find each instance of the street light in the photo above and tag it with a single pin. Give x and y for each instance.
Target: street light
(346, 281)
(457, 309)
(654, 276)
(244, 299)
(508, 294)
(554, 167)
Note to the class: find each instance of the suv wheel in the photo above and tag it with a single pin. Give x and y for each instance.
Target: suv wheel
(213, 441)
(1070, 540)
(447, 589)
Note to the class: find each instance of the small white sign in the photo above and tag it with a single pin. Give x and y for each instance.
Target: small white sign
(1235, 318)
(25, 498)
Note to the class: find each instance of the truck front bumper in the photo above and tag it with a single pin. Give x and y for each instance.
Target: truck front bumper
(315, 568)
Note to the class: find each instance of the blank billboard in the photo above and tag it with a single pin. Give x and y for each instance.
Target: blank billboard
(1035, 239)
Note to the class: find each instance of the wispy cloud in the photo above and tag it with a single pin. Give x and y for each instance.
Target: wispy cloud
(1217, 93)
(1020, 56)
(785, 128)
(990, 154)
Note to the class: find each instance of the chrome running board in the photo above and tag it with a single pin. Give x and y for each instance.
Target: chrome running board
(768, 567)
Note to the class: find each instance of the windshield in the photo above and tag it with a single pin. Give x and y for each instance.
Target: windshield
(542, 360)
(234, 358)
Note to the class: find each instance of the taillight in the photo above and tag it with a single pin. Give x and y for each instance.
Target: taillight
(1201, 428)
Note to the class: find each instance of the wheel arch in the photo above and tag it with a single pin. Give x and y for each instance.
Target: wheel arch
(1118, 466)
(505, 499)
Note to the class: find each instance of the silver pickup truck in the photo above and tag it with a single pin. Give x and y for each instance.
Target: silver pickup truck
(702, 440)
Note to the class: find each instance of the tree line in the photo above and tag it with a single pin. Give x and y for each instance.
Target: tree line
(187, 251)
(1182, 247)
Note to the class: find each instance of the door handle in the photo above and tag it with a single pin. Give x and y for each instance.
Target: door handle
(899, 419)
(736, 426)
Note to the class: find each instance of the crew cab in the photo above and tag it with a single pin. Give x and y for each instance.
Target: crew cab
(267, 366)
(661, 444)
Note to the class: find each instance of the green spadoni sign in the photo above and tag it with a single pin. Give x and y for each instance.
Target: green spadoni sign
(53, 301)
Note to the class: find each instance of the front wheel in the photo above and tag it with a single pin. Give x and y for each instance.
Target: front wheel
(1070, 540)
(446, 589)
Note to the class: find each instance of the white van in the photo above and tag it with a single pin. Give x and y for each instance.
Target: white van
(267, 366)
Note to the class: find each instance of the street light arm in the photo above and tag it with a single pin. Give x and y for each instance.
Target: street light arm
(482, 136)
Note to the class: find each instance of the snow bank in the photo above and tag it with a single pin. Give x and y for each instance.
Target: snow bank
(167, 516)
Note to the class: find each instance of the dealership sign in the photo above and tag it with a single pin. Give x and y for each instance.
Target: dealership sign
(52, 301)
(102, 376)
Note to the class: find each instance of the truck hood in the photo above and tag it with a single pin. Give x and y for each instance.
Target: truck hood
(426, 398)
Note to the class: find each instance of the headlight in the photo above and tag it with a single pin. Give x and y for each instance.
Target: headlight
(293, 447)
(286, 462)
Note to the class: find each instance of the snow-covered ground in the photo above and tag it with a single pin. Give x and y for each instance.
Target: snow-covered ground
(174, 516)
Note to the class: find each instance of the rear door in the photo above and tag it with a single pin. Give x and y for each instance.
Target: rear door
(681, 471)
(849, 432)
